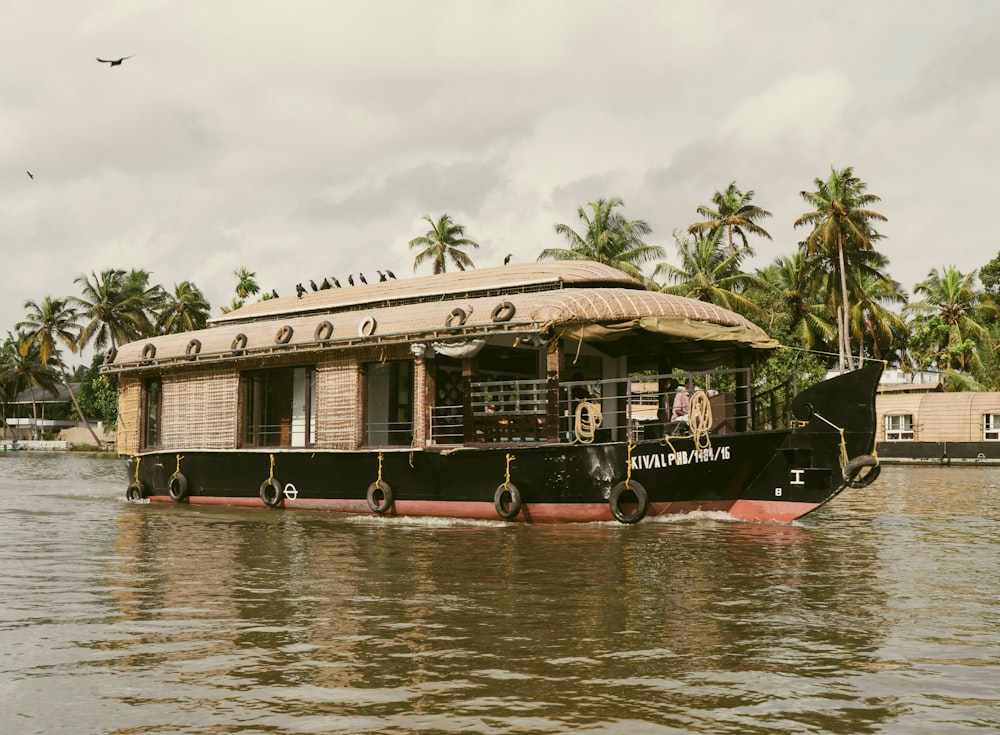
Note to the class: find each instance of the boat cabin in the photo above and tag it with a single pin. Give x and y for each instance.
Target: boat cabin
(477, 358)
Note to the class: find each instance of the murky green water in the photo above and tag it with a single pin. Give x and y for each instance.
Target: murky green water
(877, 614)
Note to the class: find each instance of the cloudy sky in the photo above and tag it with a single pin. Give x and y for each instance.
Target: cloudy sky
(307, 138)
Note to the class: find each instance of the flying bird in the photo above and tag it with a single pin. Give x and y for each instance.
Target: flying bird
(363, 279)
(115, 62)
(350, 280)
(507, 259)
(299, 290)
(30, 175)
(390, 274)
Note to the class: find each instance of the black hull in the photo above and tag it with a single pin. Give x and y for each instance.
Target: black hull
(760, 476)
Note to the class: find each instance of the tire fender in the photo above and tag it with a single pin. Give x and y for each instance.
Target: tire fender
(379, 489)
(615, 502)
(178, 487)
(271, 492)
(507, 501)
(862, 471)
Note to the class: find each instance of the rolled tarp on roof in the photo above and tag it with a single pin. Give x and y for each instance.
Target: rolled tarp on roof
(670, 326)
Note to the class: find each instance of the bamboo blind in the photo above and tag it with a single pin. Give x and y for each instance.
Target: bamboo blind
(200, 410)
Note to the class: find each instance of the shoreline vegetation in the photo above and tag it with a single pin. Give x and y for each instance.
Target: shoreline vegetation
(830, 301)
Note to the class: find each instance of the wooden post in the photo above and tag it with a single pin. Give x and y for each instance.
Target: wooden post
(421, 402)
(553, 368)
(470, 367)
(742, 407)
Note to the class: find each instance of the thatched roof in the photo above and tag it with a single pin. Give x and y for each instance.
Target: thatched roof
(517, 278)
(567, 301)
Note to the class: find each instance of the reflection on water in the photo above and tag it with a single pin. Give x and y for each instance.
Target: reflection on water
(877, 614)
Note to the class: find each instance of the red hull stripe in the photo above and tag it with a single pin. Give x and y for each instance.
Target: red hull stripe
(746, 510)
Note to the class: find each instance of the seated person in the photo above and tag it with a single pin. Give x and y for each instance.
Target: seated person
(682, 405)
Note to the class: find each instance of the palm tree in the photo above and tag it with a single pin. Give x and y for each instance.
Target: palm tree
(808, 318)
(872, 320)
(49, 323)
(443, 242)
(734, 213)
(841, 225)
(954, 298)
(246, 284)
(608, 238)
(22, 369)
(183, 310)
(706, 273)
(115, 306)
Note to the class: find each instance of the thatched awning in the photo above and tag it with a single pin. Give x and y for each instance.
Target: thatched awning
(623, 318)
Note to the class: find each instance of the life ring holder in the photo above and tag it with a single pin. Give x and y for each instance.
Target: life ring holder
(615, 502)
(855, 474)
(503, 312)
(456, 318)
(324, 331)
(283, 335)
(148, 351)
(367, 327)
(192, 349)
(239, 343)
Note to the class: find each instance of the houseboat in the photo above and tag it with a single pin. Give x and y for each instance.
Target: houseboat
(920, 423)
(538, 392)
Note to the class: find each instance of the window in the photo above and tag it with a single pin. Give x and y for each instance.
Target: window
(152, 399)
(899, 428)
(991, 427)
(390, 403)
(279, 407)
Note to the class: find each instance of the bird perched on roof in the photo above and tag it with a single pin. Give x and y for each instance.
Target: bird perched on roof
(274, 294)
(390, 274)
(382, 276)
(312, 285)
(115, 62)
(507, 259)
(299, 290)
(335, 281)
(363, 279)
(324, 285)
(350, 280)
(30, 175)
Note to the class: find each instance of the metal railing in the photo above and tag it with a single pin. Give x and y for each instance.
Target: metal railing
(632, 408)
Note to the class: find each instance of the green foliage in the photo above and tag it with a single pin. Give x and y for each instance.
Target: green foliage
(443, 242)
(607, 237)
(98, 396)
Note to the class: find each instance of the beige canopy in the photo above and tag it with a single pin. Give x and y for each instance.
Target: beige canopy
(564, 301)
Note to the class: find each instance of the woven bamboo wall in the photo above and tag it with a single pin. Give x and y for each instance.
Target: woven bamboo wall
(199, 410)
(129, 401)
(338, 405)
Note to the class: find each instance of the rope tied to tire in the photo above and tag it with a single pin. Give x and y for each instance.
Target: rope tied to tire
(380, 487)
(178, 485)
(270, 490)
(628, 485)
(507, 498)
(587, 420)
